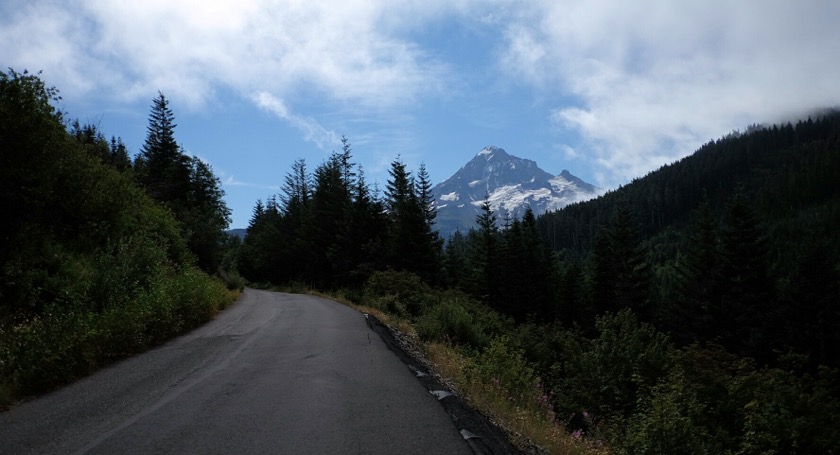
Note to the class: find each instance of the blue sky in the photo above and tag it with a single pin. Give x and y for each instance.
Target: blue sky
(609, 90)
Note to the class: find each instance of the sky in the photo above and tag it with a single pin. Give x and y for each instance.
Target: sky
(608, 89)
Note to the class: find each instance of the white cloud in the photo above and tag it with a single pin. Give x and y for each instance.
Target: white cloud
(348, 50)
(656, 80)
(311, 129)
(356, 55)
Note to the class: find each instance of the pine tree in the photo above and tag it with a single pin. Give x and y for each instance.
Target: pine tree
(812, 315)
(368, 230)
(407, 239)
(455, 268)
(328, 224)
(697, 314)
(747, 312)
(207, 216)
(118, 155)
(161, 167)
(620, 275)
(484, 259)
(434, 244)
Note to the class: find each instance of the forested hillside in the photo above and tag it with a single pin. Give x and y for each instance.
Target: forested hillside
(100, 257)
(735, 243)
(694, 310)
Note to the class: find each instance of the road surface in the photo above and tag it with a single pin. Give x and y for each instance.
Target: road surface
(274, 373)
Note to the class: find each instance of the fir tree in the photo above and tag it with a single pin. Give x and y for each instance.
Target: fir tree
(161, 167)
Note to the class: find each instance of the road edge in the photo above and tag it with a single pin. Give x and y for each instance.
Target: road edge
(483, 437)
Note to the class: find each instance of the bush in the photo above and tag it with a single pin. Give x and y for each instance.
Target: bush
(503, 367)
(67, 342)
(400, 293)
(669, 423)
(232, 279)
(450, 322)
(618, 369)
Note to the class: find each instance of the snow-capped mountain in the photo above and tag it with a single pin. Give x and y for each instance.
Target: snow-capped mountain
(510, 184)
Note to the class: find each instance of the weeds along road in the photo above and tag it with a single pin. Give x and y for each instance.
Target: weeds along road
(274, 373)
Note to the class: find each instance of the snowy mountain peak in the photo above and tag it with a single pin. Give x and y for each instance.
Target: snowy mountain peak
(490, 151)
(509, 183)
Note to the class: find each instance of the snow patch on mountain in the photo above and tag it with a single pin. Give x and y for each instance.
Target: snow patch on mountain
(453, 196)
(510, 184)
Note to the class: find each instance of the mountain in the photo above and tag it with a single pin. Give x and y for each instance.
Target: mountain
(241, 233)
(510, 184)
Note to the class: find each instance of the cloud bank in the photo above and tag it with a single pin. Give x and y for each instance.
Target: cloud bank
(653, 81)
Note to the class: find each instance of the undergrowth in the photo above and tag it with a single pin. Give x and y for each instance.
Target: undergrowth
(64, 343)
(467, 347)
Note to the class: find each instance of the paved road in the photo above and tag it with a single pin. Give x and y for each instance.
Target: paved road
(275, 373)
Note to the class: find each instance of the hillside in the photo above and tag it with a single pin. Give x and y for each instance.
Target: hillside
(789, 173)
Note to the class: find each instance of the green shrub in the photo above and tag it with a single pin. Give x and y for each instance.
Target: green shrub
(788, 413)
(401, 293)
(618, 369)
(452, 323)
(504, 367)
(67, 342)
(232, 279)
(669, 423)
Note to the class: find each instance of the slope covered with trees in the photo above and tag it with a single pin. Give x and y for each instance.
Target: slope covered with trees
(99, 256)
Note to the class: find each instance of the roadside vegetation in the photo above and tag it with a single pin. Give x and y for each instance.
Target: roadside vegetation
(101, 257)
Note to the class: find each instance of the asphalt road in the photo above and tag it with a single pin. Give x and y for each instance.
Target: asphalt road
(275, 373)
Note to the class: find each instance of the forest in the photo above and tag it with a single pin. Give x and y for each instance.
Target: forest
(101, 256)
(693, 310)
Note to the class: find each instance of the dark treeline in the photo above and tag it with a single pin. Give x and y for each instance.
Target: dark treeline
(328, 229)
(694, 310)
(100, 256)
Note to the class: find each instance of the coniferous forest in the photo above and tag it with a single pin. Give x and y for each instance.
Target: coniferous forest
(693, 310)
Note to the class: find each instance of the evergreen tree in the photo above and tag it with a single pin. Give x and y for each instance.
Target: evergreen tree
(697, 315)
(410, 247)
(207, 216)
(118, 155)
(161, 167)
(328, 224)
(426, 199)
(539, 270)
(455, 267)
(484, 259)
(747, 313)
(262, 259)
(811, 314)
(368, 231)
(571, 304)
(297, 209)
(621, 275)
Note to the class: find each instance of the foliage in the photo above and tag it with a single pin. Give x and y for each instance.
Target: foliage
(401, 293)
(66, 342)
(91, 267)
(616, 370)
(458, 320)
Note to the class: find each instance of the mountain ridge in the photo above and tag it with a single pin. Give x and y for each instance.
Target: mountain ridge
(509, 183)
